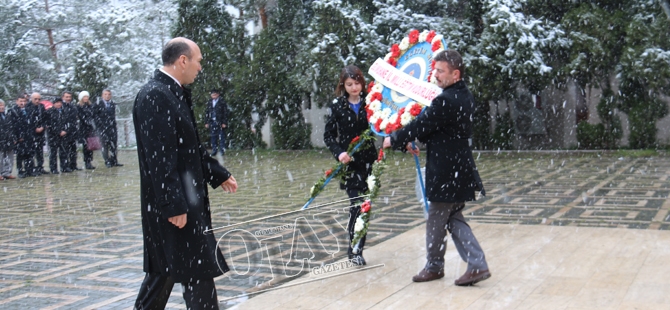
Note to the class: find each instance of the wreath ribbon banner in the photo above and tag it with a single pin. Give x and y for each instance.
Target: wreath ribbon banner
(396, 80)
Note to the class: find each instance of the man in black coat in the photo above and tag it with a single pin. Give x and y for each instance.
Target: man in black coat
(451, 175)
(217, 121)
(70, 143)
(105, 121)
(37, 112)
(175, 169)
(22, 126)
(6, 144)
(58, 127)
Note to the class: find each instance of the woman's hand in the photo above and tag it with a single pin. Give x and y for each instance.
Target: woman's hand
(344, 158)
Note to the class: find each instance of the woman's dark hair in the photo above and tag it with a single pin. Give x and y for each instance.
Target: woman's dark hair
(349, 72)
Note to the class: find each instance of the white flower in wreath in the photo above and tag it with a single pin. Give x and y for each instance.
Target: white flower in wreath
(375, 105)
(360, 224)
(405, 118)
(378, 88)
(438, 37)
(393, 118)
(423, 36)
(386, 113)
(384, 123)
(433, 79)
(404, 44)
(375, 116)
(311, 191)
(388, 56)
(372, 182)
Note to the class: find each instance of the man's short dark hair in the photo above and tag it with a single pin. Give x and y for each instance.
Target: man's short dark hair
(453, 60)
(58, 99)
(215, 91)
(21, 97)
(173, 50)
(67, 92)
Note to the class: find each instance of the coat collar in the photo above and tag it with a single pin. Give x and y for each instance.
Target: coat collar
(180, 92)
(344, 100)
(458, 85)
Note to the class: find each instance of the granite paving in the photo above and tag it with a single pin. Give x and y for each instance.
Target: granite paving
(74, 241)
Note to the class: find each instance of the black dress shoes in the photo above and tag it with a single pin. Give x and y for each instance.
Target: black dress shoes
(118, 165)
(425, 276)
(472, 277)
(90, 167)
(67, 170)
(358, 260)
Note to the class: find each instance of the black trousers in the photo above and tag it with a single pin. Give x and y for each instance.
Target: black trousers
(39, 154)
(57, 151)
(71, 150)
(354, 212)
(156, 288)
(24, 163)
(109, 149)
(88, 154)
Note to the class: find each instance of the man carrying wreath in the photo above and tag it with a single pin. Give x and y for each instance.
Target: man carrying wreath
(451, 175)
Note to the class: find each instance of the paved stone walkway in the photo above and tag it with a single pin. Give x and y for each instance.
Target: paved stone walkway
(73, 241)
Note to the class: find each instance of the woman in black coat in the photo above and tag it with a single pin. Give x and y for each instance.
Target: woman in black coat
(347, 120)
(85, 116)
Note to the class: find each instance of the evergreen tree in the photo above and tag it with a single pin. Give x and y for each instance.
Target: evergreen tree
(644, 72)
(337, 36)
(207, 24)
(245, 95)
(275, 53)
(90, 71)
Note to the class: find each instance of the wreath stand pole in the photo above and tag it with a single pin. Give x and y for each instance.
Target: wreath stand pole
(423, 188)
(332, 175)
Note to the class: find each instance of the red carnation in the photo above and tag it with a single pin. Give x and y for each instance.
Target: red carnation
(413, 36)
(430, 36)
(355, 139)
(369, 113)
(381, 155)
(432, 65)
(415, 110)
(376, 96)
(372, 84)
(392, 61)
(437, 45)
(377, 124)
(328, 172)
(400, 113)
(389, 128)
(366, 206)
(395, 50)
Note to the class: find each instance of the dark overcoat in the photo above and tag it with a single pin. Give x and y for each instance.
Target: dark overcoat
(446, 127)
(217, 115)
(22, 126)
(175, 169)
(342, 126)
(56, 122)
(6, 133)
(105, 120)
(85, 117)
(72, 115)
(37, 112)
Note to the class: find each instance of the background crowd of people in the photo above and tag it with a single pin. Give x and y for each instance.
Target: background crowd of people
(32, 122)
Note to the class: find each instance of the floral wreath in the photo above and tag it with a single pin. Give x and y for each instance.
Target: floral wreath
(373, 181)
(384, 120)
